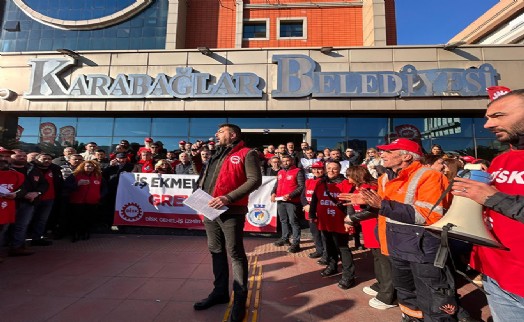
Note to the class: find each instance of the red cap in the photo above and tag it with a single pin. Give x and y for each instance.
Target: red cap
(211, 143)
(468, 159)
(182, 142)
(318, 165)
(148, 140)
(402, 144)
(6, 151)
(495, 92)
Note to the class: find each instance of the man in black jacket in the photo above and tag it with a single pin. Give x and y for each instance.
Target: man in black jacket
(230, 176)
(111, 175)
(34, 186)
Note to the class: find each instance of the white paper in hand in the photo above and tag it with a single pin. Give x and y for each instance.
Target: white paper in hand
(198, 201)
(4, 191)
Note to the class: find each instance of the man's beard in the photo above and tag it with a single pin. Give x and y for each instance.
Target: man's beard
(513, 135)
(18, 162)
(4, 165)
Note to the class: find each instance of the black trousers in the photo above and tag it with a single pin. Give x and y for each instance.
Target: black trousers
(317, 238)
(384, 285)
(425, 289)
(82, 218)
(225, 236)
(337, 245)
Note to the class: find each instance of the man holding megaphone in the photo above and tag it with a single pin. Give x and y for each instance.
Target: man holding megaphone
(503, 269)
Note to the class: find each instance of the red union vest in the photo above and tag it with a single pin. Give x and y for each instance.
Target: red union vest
(369, 225)
(330, 217)
(287, 183)
(10, 180)
(310, 189)
(89, 193)
(232, 173)
(504, 266)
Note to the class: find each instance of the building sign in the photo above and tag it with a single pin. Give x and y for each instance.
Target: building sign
(296, 77)
(47, 83)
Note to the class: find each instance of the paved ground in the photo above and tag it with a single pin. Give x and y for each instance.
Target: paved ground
(158, 278)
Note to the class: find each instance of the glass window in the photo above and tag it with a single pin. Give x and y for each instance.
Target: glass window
(291, 28)
(319, 144)
(155, 15)
(269, 123)
(29, 125)
(170, 143)
(169, 127)
(127, 127)
(254, 29)
(88, 126)
(327, 126)
(103, 143)
(447, 127)
(480, 131)
(488, 149)
(367, 127)
(203, 128)
(461, 145)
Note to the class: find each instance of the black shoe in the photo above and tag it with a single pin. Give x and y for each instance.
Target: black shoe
(322, 262)
(282, 242)
(294, 248)
(328, 271)
(210, 301)
(315, 255)
(41, 242)
(346, 283)
(238, 311)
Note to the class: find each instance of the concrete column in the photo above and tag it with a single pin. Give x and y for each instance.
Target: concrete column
(176, 24)
(239, 23)
(374, 20)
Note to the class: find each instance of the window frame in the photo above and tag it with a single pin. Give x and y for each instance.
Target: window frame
(266, 20)
(297, 19)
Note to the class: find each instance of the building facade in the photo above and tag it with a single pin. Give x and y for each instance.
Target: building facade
(284, 71)
(501, 24)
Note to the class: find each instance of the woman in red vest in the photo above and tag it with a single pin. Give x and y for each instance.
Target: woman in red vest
(383, 290)
(329, 215)
(87, 187)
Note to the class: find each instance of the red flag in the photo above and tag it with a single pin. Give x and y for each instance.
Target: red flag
(495, 92)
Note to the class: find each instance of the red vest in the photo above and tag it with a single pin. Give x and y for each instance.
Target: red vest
(369, 226)
(89, 193)
(287, 183)
(504, 266)
(10, 180)
(147, 166)
(49, 194)
(330, 217)
(310, 189)
(232, 173)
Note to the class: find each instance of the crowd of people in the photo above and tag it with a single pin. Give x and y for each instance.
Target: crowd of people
(389, 195)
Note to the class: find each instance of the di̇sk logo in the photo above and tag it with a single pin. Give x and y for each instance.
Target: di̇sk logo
(131, 212)
(235, 159)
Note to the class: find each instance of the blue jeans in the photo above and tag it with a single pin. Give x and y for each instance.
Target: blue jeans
(504, 306)
(288, 215)
(24, 214)
(225, 235)
(40, 217)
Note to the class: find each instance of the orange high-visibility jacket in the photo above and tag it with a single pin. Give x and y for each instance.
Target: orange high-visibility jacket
(407, 200)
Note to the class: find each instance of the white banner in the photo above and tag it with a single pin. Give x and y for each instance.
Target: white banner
(152, 199)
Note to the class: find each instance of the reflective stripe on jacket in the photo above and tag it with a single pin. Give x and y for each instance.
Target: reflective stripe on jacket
(406, 208)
